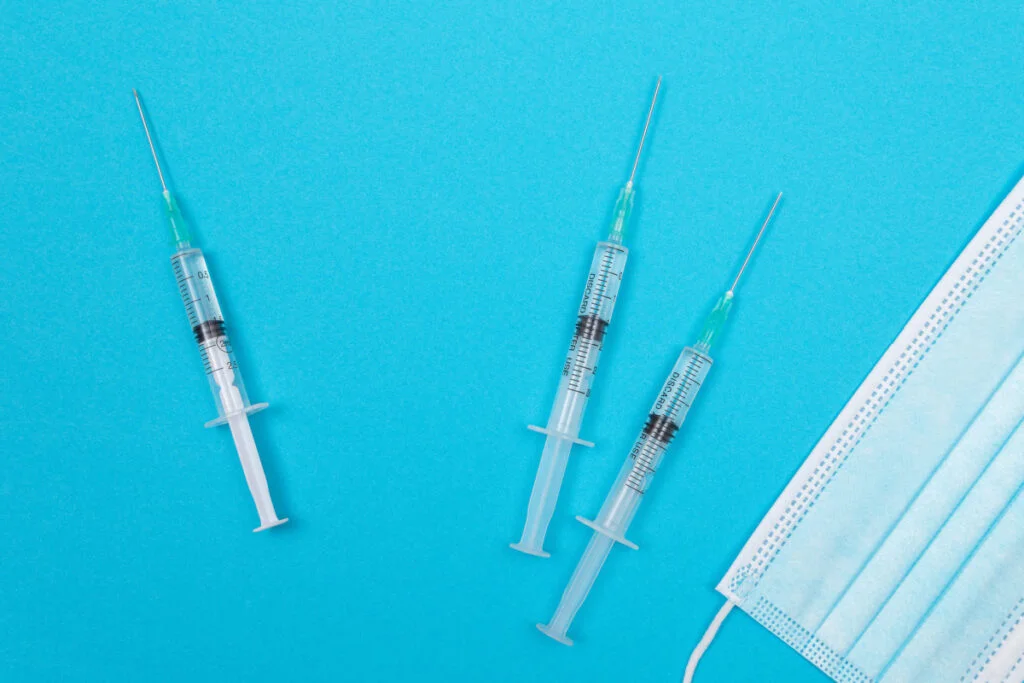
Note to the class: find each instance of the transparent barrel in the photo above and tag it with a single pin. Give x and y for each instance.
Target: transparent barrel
(207, 321)
(595, 314)
(563, 426)
(667, 415)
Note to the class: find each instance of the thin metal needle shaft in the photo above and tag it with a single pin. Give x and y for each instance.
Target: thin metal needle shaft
(149, 138)
(756, 240)
(647, 124)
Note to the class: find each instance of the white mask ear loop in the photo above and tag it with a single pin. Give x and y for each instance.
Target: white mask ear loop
(705, 642)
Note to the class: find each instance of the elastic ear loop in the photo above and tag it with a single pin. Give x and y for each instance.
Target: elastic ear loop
(705, 642)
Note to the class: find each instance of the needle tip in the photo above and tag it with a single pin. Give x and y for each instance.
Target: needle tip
(149, 139)
(760, 233)
(643, 136)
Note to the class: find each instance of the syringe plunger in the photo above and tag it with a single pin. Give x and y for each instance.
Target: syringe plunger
(579, 586)
(252, 467)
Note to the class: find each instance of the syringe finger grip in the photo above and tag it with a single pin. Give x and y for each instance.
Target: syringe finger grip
(618, 538)
(562, 435)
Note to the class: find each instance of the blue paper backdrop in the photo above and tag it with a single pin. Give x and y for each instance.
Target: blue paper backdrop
(399, 203)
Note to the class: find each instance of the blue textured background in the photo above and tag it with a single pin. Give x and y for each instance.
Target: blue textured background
(399, 204)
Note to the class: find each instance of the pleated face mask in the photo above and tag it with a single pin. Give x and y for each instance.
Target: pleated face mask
(896, 553)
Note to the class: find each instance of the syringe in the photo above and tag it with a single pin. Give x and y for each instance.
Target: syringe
(595, 313)
(207, 321)
(670, 409)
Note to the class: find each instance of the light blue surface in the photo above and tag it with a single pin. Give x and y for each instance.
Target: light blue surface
(399, 204)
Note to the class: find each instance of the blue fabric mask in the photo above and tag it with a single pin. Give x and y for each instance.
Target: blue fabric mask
(897, 551)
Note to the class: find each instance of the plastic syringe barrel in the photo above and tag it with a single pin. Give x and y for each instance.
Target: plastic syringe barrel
(664, 420)
(592, 321)
(207, 321)
(666, 417)
(222, 371)
(563, 426)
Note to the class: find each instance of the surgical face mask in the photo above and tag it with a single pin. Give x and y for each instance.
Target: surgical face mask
(896, 553)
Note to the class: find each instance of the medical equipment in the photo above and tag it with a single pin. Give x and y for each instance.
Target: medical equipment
(666, 417)
(896, 553)
(592, 320)
(219, 362)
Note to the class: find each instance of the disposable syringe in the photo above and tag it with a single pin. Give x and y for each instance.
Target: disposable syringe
(670, 409)
(595, 313)
(207, 321)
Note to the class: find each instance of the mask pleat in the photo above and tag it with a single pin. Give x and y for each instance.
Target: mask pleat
(893, 560)
(958, 621)
(867, 500)
(897, 553)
